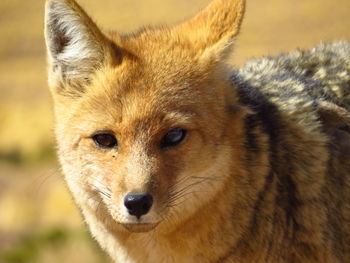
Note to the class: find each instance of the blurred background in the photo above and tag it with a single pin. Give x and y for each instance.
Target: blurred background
(38, 222)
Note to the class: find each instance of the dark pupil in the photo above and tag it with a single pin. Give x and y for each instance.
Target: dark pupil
(173, 137)
(105, 140)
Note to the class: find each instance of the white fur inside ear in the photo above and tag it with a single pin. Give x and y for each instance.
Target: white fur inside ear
(72, 46)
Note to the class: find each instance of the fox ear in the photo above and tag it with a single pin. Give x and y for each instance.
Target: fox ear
(214, 29)
(76, 47)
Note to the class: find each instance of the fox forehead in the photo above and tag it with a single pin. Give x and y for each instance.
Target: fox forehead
(132, 115)
(115, 100)
(136, 90)
(157, 71)
(158, 62)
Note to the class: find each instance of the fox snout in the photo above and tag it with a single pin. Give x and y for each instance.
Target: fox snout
(138, 204)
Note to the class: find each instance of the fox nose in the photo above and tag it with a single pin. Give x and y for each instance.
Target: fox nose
(138, 204)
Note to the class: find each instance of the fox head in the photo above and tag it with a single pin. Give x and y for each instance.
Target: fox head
(147, 123)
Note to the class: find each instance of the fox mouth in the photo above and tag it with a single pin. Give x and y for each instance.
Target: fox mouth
(139, 227)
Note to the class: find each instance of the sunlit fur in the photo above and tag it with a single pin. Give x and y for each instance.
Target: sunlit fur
(262, 174)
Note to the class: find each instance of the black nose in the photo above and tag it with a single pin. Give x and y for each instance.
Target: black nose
(138, 204)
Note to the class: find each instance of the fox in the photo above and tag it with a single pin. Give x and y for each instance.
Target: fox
(173, 155)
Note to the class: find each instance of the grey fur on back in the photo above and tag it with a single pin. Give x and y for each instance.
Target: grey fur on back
(321, 73)
(309, 152)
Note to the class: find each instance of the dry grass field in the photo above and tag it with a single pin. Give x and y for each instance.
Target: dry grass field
(38, 222)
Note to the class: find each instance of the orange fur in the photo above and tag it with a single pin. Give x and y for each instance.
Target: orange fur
(138, 88)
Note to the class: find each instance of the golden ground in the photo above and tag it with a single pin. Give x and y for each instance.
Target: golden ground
(38, 222)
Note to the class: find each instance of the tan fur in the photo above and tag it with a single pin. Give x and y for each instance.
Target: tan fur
(208, 207)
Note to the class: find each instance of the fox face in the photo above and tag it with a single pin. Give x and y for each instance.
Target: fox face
(144, 122)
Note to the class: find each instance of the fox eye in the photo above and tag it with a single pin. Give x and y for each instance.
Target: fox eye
(173, 137)
(105, 140)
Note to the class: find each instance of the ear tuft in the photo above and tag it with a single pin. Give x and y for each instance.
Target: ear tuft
(75, 45)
